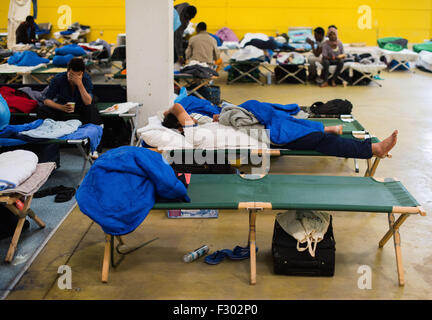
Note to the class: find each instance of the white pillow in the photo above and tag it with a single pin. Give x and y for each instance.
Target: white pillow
(156, 135)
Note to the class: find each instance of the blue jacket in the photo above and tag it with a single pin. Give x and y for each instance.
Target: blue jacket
(277, 118)
(120, 188)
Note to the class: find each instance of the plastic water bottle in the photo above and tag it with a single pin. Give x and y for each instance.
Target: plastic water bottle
(269, 77)
(194, 255)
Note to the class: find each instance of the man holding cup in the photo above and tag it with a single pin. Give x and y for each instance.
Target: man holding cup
(70, 93)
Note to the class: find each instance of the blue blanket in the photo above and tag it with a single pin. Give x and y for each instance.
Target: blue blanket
(121, 187)
(73, 49)
(26, 59)
(10, 135)
(277, 118)
(193, 104)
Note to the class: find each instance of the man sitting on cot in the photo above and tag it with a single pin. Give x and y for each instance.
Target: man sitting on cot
(326, 141)
(70, 93)
(202, 47)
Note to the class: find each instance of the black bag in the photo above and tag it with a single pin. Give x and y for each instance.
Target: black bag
(335, 106)
(116, 132)
(210, 93)
(288, 260)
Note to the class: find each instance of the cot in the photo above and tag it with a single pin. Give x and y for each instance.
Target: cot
(351, 129)
(193, 82)
(24, 193)
(83, 146)
(290, 192)
(367, 72)
(288, 72)
(401, 58)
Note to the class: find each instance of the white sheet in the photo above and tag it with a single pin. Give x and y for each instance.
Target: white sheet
(425, 60)
(404, 55)
(10, 68)
(249, 36)
(247, 53)
(16, 167)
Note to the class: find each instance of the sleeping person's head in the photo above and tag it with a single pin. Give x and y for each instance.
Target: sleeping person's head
(170, 121)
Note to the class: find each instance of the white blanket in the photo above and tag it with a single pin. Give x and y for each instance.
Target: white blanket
(425, 60)
(249, 36)
(51, 129)
(16, 167)
(247, 53)
(10, 68)
(404, 55)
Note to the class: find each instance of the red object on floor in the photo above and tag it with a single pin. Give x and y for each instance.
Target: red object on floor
(17, 100)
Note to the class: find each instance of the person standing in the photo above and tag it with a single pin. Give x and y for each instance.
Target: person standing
(186, 12)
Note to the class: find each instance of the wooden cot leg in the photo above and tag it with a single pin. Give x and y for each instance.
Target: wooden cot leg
(252, 245)
(35, 218)
(396, 226)
(394, 229)
(14, 242)
(371, 171)
(106, 259)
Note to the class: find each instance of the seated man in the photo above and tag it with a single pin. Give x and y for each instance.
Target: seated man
(26, 31)
(316, 50)
(70, 93)
(202, 47)
(327, 142)
(333, 54)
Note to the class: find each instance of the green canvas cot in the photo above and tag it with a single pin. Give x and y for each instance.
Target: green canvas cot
(285, 192)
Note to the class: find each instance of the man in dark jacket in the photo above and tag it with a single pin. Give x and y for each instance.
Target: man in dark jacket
(26, 31)
(186, 13)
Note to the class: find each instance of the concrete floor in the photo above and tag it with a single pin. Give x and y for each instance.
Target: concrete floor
(158, 272)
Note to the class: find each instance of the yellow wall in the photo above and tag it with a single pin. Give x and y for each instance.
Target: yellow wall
(408, 19)
(107, 16)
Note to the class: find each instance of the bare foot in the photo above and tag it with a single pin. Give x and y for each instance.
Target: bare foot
(381, 149)
(333, 84)
(334, 129)
(324, 84)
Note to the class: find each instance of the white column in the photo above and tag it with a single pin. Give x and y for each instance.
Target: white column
(149, 55)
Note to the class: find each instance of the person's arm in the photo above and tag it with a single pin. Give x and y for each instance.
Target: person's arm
(50, 95)
(85, 95)
(62, 107)
(180, 113)
(189, 50)
(216, 52)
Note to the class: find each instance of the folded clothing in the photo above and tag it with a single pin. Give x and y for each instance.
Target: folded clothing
(16, 167)
(26, 59)
(51, 129)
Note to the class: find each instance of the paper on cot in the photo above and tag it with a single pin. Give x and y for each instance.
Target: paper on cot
(16, 167)
(120, 108)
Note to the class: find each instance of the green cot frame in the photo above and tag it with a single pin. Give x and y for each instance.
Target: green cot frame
(285, 192)
(351, 129)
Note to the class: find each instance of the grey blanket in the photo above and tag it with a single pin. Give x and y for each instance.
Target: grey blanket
(241, 119)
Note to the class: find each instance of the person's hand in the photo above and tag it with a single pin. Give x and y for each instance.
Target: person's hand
(181, 60)
(215, 118)
(75, 79)
(68, 108)
(310, 41)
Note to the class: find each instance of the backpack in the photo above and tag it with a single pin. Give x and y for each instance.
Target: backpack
(336, 106)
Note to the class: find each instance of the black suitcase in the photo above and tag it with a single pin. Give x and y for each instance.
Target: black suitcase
(288, 260)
